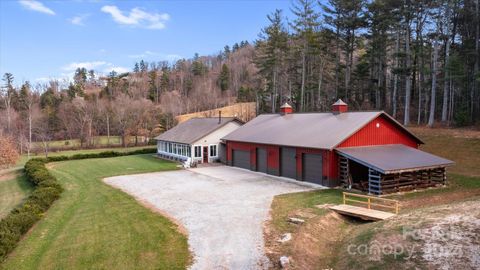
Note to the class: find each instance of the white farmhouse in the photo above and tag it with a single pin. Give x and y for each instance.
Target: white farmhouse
(196, 140)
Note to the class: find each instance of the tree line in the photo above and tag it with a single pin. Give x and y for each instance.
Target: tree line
(417, 60)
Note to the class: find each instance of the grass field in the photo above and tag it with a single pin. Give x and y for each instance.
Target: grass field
(13, 189)
(98, 141)
(94, 226)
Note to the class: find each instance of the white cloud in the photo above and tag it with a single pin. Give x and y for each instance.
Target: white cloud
(87, 65)
(36, 6)
(101, 66)
(145, 54)
(137, 17)
(158, 56)
(79, 19)
(173, 57)
(117, 69)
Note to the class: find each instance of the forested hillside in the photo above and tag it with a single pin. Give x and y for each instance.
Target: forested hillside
(417, 60)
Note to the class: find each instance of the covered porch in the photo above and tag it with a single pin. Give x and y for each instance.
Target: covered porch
(384, 169)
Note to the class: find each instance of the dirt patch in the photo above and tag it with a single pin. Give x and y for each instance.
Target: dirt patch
(439, 237)
(51, 165)
(439, 199)
(313, 243)
(9, 175)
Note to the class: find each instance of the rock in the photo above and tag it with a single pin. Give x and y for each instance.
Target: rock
(285, 237)
(284, 261)
(296, 220)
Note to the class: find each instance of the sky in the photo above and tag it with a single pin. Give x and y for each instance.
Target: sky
(47, 39)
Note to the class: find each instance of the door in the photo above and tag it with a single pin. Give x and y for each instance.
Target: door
(205, 154)
(312, 168)
(241, 159)
(221, 153)
(262, 160)
(288, 162)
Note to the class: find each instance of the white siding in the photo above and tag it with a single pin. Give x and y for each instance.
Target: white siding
(214, 138)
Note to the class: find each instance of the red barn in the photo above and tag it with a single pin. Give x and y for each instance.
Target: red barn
(369, 151)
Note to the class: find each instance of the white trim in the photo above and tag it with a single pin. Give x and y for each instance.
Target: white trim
(201, 151)
(216, 150)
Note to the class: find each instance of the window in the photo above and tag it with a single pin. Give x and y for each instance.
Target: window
(198, 151)
(213, 150)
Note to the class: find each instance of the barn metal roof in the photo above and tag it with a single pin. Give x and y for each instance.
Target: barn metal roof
(310, 130)
(393, 158)
(194, 129)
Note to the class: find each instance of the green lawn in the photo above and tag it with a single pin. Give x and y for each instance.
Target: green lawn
(94, 226)
(14, 187)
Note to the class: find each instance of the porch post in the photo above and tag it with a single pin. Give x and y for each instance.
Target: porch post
(374, 182)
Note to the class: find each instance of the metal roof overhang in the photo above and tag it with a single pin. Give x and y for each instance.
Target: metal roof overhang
(393, 158)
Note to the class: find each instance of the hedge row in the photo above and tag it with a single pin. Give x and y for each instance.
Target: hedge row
(105, 154)
(46, 191)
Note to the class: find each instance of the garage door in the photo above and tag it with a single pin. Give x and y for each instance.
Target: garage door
(288, 163)
(241, 159)
(262, 160)
(312, 168)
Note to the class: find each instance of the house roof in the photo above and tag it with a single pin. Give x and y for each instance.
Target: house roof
(310, 130)
(194, 129)
(339, 102)
(393, 158)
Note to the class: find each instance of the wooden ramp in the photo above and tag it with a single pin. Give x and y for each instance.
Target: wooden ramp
(366, 211)
(361, 212)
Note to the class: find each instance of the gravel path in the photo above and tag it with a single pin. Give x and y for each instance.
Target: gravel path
(222, 208)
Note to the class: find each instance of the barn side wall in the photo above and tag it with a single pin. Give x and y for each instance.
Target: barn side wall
(386, 133)
(329, 164)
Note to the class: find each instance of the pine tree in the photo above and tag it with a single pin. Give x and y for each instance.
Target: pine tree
(152, 86)
(226, 52)
(271, 50)
(165, 79)
(304, 26)
(7, 93)
(136, 68)
(143, 66)
(198, 68)
(224, 78)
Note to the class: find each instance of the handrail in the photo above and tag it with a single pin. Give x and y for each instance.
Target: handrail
(369, 202)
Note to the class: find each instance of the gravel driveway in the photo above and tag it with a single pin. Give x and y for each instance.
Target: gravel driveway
(222, 208)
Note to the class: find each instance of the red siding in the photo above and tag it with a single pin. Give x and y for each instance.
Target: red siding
(339, 108)
(273, 161)
(273, 152)
(386, 133)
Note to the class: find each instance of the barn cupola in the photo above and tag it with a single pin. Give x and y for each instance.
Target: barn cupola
(286, 109)
(339, 107)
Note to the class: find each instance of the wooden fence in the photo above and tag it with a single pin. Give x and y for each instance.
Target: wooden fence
(372, 202)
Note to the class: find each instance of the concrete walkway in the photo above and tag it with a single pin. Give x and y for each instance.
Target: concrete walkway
(222, 208)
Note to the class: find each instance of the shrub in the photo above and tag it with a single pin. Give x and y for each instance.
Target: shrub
(47, 191)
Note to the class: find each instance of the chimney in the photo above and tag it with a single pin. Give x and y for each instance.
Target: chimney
(339, 107)
(219, 117)
(286, 109)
